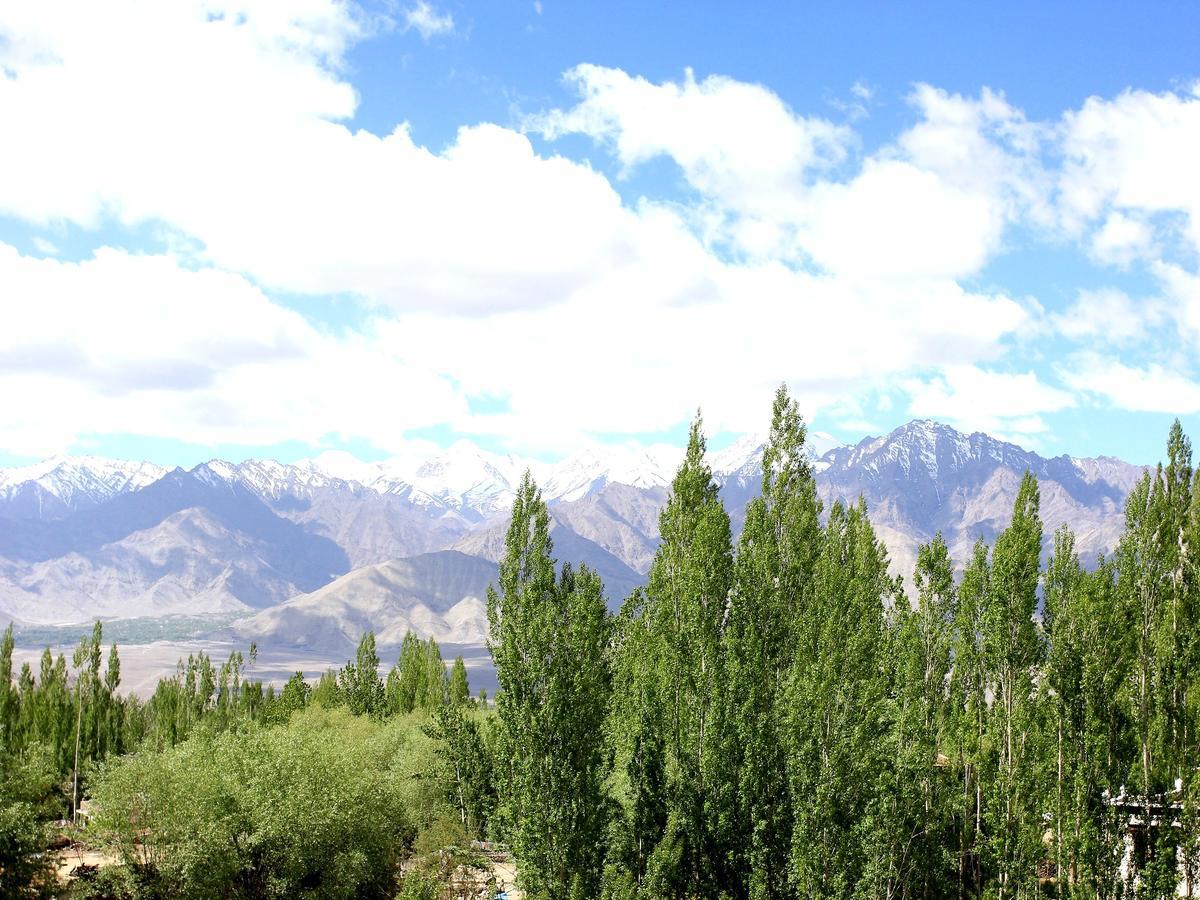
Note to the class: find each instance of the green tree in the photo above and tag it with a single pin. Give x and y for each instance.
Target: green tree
(686, 600)
(359, 682)
(468, 771)
(311, 808)
(916, 856)
(549, 638)
(772, 586)
(459, 688)
(1013, 648)
(9, 696)
(839, 747)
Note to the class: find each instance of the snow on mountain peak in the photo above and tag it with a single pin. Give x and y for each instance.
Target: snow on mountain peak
(462, 477)
(72, 477)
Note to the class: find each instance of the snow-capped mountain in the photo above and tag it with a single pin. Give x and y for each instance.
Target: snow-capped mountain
(82, 536)
(61, 485)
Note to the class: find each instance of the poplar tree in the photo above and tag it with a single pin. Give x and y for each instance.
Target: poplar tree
(838, 736)
(686, 601)
(968, 710)
(1086, 665)
(9, 709)
(459, 689)
(916, 854)
(772, 586)
(549, 638)
(1013, 647)
(359, 682)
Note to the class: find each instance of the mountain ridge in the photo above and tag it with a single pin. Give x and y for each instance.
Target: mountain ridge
(256, 533)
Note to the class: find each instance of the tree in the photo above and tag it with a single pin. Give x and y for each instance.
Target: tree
(772, 586)
(915, 857)
(549, 638)
(418, 680)
(308, 808)
(9, 709)
(459, 688)
(839, 750)
(27, 801)
(967, 710)
(359, 682)
(1012, 648)
(686, 601)
(468, 774)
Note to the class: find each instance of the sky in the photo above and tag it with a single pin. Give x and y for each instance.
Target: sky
(234, 228)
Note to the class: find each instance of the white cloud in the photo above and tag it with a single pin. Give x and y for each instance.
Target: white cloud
(428, 21)
(1182, 291)
(1151, 388)
(492, 269)
(44, 246)
(138, 344)
(1134, 154)
(1121, 240)
(1006, 404)
(620, 362)
(738, 144)
(933, 204)
(248, 157)
(1108, 316)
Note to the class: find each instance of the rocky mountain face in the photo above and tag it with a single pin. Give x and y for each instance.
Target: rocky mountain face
(87, 537)
(925, 477)
(442, 595)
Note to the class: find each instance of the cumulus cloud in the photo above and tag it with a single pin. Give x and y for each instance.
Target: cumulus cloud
(932, 204)
(1149, 388)
(489, 267)
(1008, 404)
(1109, 316)
(1129, 157)
(142, 344)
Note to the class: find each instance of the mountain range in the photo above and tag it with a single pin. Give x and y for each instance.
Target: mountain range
(315, 551)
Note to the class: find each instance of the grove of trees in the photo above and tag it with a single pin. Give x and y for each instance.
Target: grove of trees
(784, 720)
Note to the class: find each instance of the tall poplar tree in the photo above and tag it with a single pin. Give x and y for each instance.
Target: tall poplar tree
(1013, 648)
(838, 737)
(772, 588)
(915, 857)
(686, 601)
(968, 715)
(550, 641)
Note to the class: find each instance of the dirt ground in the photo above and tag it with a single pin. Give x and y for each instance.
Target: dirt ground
(505, 873)
(69, 858)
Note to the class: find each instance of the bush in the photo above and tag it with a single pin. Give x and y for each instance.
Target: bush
(310, 808)
(27, 800)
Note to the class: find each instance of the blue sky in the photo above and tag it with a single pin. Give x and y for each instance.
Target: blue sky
(241, 229)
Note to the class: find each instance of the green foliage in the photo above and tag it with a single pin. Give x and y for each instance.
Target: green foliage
(359, 684)
(459, 689)
(28, 797)
(772, 588)
(468, 768)
(674, 732)
(418, 680)
(310, 808)
(550, 640)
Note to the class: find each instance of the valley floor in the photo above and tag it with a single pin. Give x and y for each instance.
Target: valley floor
(142, 665)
